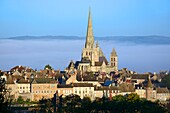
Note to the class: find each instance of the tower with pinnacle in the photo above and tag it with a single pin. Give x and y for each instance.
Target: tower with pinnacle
(90, 51)
(92, 57)
(114, 59)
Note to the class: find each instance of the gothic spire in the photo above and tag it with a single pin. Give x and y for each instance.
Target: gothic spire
(89, 37)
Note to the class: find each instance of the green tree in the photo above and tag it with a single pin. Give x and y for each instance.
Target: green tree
(4, 97)
(165, 81)
(86, 103)
(45, 106)
(20, 100)
(132, 97)
(48, 67)
(119, 98)
(71, 103)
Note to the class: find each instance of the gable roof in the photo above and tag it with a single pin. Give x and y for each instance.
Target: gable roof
(43, 80)
(64, 86)
(82, 85)
(139, 76)
(23, 81)
(162, 90)
(103, 59)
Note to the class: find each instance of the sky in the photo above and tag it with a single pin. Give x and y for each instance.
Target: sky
(69, 17)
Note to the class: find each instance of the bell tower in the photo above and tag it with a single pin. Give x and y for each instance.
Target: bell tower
(114, 59)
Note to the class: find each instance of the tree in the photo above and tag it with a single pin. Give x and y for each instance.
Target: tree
(20, 100)
(45, 106)
(86, 103)
(48, 67)
(165, 81)
(71, 103)
(4, 97)
(119, 98)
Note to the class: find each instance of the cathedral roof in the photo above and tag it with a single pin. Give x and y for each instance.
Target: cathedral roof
(103, 59)
(71, 64)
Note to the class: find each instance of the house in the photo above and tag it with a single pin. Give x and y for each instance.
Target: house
(84, 90)
(64, 89)
(43, 88)
(162, 94)
(139, 78)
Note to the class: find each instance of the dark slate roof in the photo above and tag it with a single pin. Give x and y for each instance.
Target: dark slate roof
(140, 76)
(107, 88)
(43, 80)
(71, 64)
(64, 86)
(79, 62)
(82, 84)
(23, 81)
(103, 59)
(162, 90)
(63, 72)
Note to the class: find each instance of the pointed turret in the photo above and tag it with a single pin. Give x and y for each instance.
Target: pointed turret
(149, 84)
(89, 37)
(113, 52)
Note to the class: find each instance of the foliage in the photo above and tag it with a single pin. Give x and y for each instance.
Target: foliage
(4, 97)
(165, 81)
(20, 100)
(45, 106)
(120, 104)
(48, 67)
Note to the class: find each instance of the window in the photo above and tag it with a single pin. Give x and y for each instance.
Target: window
(111, 59)
(20, 87)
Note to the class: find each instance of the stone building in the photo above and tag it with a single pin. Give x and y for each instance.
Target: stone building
(43, 88)
(92, 58)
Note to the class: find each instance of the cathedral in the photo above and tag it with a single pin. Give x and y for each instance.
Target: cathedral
(92, 57)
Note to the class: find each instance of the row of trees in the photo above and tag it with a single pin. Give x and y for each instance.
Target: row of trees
(119, 104)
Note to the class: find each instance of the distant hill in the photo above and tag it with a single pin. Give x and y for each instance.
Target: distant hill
(120, 39)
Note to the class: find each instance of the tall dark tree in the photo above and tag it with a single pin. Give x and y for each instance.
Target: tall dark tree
(48, 67)
(4, 97)
(165, 81)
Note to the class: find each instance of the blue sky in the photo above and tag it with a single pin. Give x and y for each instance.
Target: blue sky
(69, 17)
